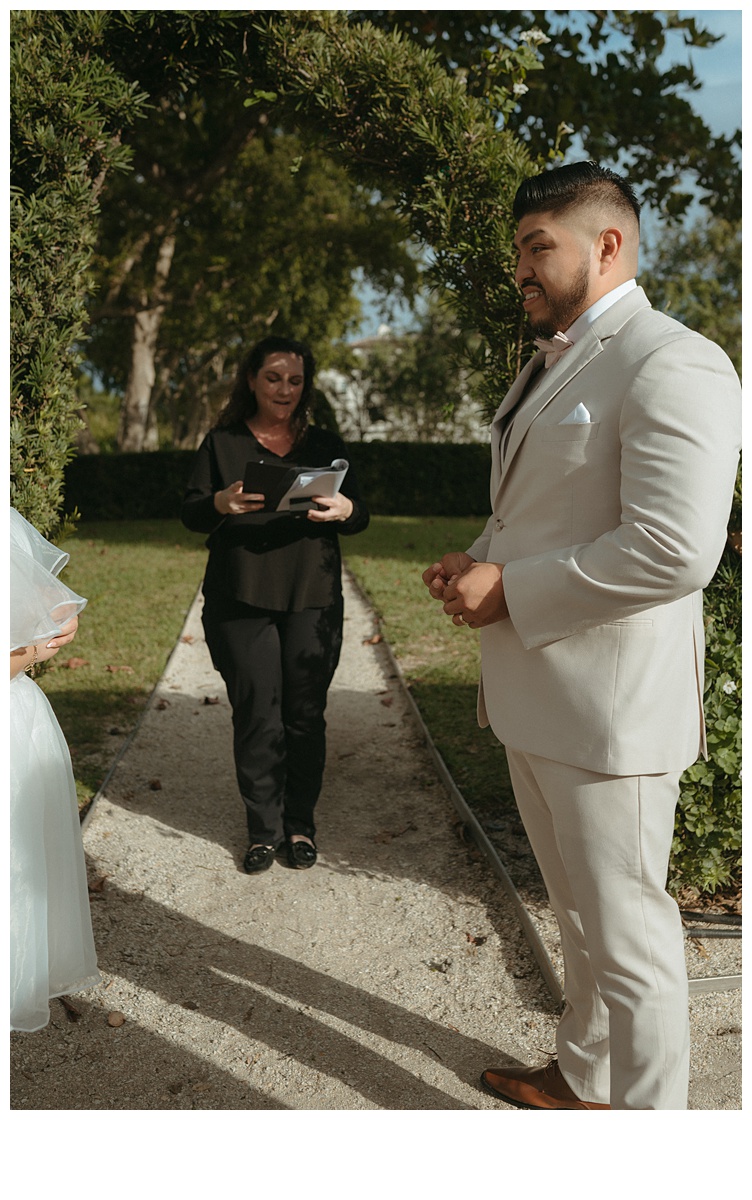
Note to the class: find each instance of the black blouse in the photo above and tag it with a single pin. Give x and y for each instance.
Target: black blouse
(278, 561)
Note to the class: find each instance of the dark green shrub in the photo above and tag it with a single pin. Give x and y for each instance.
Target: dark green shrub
(707, 839)
(128, 487)
(397, 479)
(67, 110)
(414, 479)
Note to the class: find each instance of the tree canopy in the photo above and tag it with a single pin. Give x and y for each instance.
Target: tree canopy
(528, 77)
(603, 82)
(223, 231)
(388, 111)
(695, 275)
(424, 121)
(272, 247)
(407, 387)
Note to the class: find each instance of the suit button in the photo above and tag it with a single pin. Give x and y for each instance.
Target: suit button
(499, 524)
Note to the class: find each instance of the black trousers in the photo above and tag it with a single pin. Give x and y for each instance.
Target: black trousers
(277, 668)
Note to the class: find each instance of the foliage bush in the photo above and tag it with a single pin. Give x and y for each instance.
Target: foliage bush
(125, 487)
(706, 853)
(67, 108)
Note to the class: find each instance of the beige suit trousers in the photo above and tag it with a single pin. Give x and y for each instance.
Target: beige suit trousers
(602, 843)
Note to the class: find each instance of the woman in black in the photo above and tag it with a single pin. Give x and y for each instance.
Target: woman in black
(273, 594)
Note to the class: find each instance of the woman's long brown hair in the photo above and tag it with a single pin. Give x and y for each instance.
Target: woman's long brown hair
(242, 403)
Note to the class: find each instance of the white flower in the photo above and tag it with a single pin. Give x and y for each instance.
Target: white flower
(729, 687)
(536, 37)
(519, 89)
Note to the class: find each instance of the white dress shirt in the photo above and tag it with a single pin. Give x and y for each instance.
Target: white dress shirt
(576, 330)
(585, 320)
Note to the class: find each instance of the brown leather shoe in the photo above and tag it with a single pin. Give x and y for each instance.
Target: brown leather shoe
(533, 1087)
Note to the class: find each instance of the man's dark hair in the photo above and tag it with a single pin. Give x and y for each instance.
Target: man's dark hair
(565, 187)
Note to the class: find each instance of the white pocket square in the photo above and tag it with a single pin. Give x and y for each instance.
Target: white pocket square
(578, 416)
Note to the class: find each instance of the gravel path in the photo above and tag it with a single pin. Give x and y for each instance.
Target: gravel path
(387, 977)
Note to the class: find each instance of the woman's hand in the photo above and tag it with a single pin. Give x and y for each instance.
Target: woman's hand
(335, 508)
(233, 500)
(24, 656)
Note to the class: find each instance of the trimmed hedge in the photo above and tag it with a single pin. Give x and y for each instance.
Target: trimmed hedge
(127, 487)
(397, 479)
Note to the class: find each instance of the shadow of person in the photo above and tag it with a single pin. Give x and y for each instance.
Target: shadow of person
(254, 1025)
(79, 1061)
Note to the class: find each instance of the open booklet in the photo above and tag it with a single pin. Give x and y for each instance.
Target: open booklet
(290, 489)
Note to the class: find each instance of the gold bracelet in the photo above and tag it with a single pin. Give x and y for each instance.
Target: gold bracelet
(29, 668)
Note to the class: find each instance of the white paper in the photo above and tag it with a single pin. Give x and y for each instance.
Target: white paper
(318, 481)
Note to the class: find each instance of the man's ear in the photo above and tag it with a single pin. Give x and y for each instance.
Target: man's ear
(610, 244)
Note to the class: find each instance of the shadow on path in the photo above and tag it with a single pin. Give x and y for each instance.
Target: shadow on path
(253, 997)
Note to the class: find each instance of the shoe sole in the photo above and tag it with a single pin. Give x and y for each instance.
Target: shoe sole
(520, 1103)
(300, 866)
(258, 870)
(507, 1099)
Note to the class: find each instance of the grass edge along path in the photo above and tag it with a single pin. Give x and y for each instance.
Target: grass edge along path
(140, 579)
(439, 661)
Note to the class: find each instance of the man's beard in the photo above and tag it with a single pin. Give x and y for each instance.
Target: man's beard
(566, 308)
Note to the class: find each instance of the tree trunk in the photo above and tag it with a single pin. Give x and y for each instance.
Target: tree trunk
(137, 430)
(138, 426)
(196, 408)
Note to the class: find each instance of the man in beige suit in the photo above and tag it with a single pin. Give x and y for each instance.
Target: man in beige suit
(613, 462)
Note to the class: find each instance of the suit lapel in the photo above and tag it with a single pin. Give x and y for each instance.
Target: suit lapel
(588, 347)
(508, 404)
(556, 378)
(512, 397)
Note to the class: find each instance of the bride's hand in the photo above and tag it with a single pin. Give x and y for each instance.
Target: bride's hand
(26, 656)
(67, 633)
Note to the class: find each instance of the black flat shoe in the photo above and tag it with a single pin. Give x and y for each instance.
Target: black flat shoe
(301, 854)
(258, 858)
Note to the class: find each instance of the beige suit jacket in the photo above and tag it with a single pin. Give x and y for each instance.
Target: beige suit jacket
(609, 530)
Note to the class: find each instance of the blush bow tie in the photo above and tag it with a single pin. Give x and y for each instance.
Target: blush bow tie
(554, 348)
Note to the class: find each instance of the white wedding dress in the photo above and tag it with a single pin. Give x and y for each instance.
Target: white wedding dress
(51, 943)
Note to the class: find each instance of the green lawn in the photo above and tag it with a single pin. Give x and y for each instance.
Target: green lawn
(140, 578)
(440, 661)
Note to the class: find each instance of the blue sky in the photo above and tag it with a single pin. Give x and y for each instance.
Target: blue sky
(719, 102)
(719, 68)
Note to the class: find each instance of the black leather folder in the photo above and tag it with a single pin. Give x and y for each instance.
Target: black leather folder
(273, 480)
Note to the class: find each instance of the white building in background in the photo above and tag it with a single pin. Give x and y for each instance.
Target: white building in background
(359, 420)
(364, 416)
